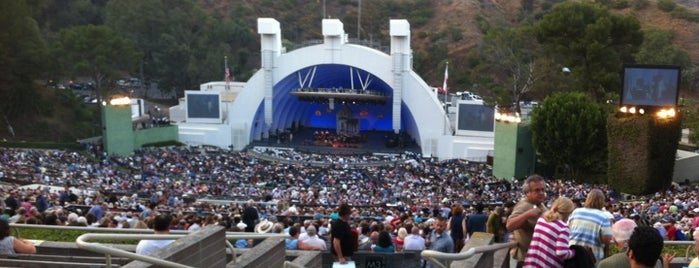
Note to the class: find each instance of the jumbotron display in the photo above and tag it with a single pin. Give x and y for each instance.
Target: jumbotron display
(203, 106)
(474, 118)
(650, 85)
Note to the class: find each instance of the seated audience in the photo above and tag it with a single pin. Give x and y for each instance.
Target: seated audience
(384, 243)
(161, 225)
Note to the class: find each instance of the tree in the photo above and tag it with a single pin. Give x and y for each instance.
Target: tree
(592, 41)
(94, 51)
(657, 48)
(569, 133)
(23, 54)
(182, 45)
(510, 57)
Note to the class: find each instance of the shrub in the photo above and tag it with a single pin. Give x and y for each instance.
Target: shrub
(666, 5)
(640, 4)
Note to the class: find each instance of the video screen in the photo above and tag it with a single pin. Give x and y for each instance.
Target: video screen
(203, 106)
(650, 85)
(476, 117)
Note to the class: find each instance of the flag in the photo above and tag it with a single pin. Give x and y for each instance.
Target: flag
(446, 77)
(228, 73)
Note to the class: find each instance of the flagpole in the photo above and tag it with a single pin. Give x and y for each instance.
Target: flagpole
(227, 74)
(446, 90)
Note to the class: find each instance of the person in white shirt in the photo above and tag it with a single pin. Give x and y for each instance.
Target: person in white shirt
(414, 241)
(312, 242)
(161, 226)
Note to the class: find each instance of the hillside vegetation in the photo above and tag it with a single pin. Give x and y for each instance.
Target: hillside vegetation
(179, 44)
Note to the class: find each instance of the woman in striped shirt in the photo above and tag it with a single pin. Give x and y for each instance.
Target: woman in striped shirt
(549, 247)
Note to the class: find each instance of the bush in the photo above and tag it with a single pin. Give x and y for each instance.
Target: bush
(640, 4)
(620, 4)
(666, 5)
(685, 14)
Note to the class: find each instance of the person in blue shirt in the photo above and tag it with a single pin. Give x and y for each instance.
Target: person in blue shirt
(292, 243)
(98, 211)
(438, 239)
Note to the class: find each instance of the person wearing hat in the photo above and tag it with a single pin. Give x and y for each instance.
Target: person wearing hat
(264, 227)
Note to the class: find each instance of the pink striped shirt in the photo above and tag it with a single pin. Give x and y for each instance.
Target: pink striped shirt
(549, 247)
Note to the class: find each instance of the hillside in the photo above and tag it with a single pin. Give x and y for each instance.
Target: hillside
(443, 30)
(464, 14)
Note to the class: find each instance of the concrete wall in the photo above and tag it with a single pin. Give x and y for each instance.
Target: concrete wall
(686, 169)
(204, 248)
(269, 253)
(368, 259)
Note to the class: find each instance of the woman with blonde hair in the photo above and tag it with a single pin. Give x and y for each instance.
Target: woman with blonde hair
(549, 246)
(588, 225)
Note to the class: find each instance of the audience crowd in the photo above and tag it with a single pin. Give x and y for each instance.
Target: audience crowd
(394, 197)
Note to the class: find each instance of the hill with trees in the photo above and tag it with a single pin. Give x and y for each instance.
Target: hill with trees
(504, 50)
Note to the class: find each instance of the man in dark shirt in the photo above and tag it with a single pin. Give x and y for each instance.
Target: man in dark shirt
(343, 241)
(11, 203)
(476, 222)
(250, 216)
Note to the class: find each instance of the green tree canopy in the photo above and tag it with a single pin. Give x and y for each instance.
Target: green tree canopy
(23, 55)
(569, 133)
(657, 48)
(510, 57)
(592, 42)
(182, 45)
(94, 51)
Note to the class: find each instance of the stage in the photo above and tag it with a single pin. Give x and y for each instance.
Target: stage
(302, 139)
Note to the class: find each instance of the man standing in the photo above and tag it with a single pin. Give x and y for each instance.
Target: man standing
(438, 240)
(477, 222)
(250, 216)
(343, 241)
(525, 214)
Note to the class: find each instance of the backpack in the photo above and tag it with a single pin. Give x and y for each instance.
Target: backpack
(584, 258)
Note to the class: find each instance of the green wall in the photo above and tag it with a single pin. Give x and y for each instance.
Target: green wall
(119, 135)
(118, 130)
(514, 151)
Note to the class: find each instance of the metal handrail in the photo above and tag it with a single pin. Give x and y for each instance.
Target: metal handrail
(137, 234)
(82, 243)
(434, 256)
(689, 244)
(109, 251)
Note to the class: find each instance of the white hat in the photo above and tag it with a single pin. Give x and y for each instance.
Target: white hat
(264, 226)
(241, 225)
(696, 210)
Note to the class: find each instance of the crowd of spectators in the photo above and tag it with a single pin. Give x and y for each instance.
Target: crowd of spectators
(387, 192)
